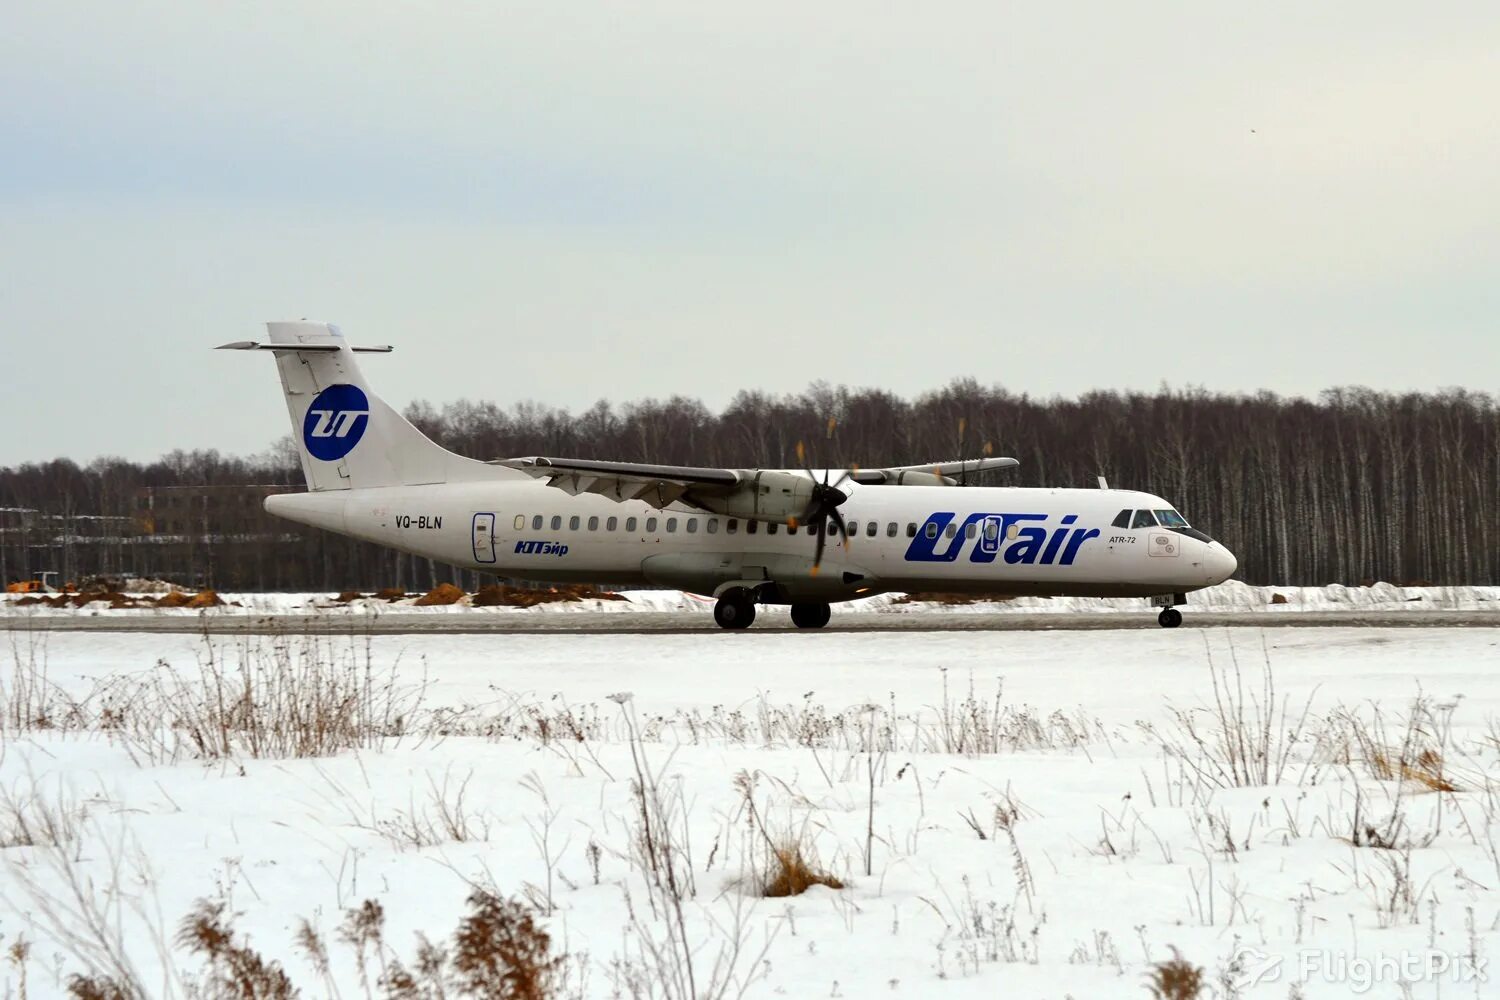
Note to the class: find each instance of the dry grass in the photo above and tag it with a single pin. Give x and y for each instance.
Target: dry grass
(498, 952)
(232, 968)
(1413, 749)
(1175, 979)
(278, 698)
(792, 874)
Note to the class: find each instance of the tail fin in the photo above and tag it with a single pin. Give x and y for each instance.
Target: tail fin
(348, 437)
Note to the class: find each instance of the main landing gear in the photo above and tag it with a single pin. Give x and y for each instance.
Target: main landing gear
(734, 610)
(810, 615)
(1169, 618)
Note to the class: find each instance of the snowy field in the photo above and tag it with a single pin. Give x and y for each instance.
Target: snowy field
(1231, 596)
(1300, 813)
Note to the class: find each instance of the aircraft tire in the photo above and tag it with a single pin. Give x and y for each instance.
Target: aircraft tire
(810, 615)
(1169, 618)
(734, 611)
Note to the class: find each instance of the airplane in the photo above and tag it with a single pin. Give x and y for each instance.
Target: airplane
(747, 537)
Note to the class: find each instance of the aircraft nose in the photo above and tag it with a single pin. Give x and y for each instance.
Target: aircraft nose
(1220, 563)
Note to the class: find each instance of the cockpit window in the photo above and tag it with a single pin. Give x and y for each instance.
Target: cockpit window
(1122, 519)
(1171, 519)
(1143, 519)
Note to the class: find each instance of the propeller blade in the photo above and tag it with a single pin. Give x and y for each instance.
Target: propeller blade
(838, 519)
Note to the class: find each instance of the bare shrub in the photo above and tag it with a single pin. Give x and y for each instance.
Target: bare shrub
(29, 819)
(1175, 979)
(665, 962)
(28, 699)
(287, 698)
(444, 817)
(1247, 738)
(969, 726)
(788, 865)
(1416, 753)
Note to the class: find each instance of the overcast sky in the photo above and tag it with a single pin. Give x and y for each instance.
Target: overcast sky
(566, 201)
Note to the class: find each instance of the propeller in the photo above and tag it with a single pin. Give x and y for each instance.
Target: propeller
(986, 451)
(824, 504)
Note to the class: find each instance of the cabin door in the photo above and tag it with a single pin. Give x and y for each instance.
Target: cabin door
(484, 538)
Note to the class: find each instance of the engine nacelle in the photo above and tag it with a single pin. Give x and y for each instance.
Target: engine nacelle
(768, 495)
(913, 478)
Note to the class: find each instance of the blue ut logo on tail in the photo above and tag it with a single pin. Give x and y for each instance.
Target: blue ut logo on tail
(335, 422)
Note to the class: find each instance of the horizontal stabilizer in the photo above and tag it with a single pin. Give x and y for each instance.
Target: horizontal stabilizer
(250, 345)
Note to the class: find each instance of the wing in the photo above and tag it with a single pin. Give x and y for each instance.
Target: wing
(658, 485)
(706, 488)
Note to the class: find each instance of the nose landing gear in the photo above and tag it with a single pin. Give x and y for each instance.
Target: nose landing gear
(1170, 617)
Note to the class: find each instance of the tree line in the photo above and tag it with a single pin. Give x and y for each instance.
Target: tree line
(1353, 487)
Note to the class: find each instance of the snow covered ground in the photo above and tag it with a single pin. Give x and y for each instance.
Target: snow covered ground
(1231, 596)
(1019, 813)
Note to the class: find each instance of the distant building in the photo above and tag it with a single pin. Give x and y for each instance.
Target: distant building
(208, 513)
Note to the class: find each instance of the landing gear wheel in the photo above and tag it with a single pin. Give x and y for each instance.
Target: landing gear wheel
(810, 615)
(1169, 618)
(734, 611)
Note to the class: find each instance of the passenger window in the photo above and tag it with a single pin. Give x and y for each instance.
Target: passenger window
(536, 523)
(650, 525)
(692, 525)
(911, 529)
(1122, 519)
(751, 527)
(630, 523)
(732, 526)
(991, 529)
(971, 529)
(520, 522)
(573, 523)
(593, 524)
(891, 529)
(611, 524)
(713, 526)
(951, 530)
(812, 529)
(1143, 519)
(873, 527)
(932, 529)
(852, 526)
(671, 524)
(771, 527)
(556, 522)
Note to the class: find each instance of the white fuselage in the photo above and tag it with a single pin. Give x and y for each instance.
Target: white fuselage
(904, 538)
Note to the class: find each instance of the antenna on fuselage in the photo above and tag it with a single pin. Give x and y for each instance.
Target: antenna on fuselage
(1102, 484)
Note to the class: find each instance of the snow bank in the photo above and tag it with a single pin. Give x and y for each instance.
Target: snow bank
(1231, 596)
